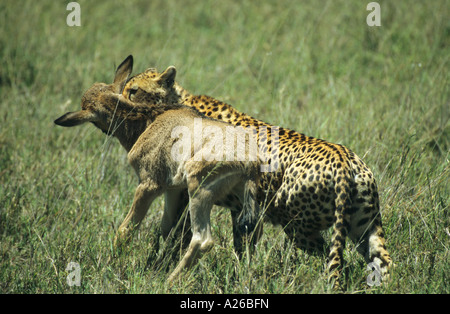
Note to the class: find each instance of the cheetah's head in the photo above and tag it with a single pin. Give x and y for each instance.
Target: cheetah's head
(152, 87)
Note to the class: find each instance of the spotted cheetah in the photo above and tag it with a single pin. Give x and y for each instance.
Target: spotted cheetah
(317, 184)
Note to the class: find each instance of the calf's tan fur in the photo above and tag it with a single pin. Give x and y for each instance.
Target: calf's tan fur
(144, 130)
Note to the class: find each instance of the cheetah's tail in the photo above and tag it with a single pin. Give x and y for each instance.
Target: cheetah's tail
(342, 205)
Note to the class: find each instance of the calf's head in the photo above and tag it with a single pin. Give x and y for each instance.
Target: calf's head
(99, 103)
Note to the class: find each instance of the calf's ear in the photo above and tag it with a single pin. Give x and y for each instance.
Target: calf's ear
(76, 118)
(123, 72)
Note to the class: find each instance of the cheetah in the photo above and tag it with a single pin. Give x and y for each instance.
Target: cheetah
(317, 184)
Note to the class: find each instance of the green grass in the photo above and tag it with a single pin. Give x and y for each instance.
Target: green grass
(313, 66)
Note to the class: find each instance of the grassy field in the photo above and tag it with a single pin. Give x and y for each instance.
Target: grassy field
(313, 66)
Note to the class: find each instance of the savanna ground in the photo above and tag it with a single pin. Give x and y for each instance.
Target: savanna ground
(313, 66)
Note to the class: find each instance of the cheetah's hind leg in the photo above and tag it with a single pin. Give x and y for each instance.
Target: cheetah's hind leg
(372, 247)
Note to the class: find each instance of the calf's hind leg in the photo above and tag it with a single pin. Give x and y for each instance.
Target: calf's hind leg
(200, 209)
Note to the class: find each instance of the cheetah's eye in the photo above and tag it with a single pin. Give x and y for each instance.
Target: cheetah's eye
(132, 92)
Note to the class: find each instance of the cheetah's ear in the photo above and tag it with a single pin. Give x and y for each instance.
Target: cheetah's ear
(123, 71)
(167, 78)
